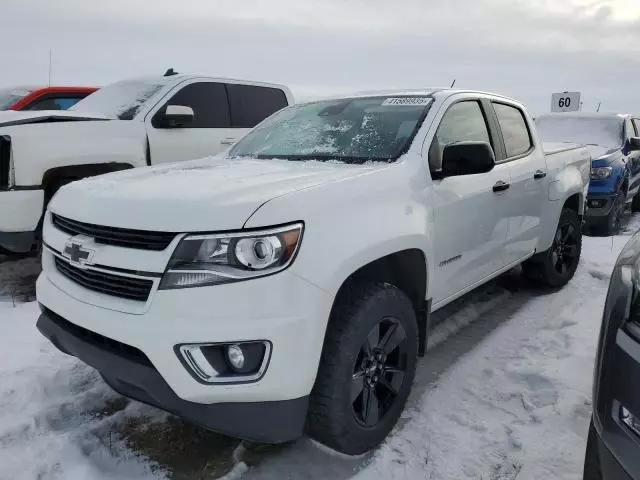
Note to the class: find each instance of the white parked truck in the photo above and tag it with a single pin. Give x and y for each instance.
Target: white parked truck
(132, 123)
(289, 282)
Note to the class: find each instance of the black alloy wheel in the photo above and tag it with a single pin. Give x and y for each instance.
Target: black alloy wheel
(379, 372)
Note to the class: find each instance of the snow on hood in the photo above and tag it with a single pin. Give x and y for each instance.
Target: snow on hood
(208, 194)
(10, 117)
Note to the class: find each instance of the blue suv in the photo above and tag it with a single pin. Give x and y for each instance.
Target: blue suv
(615, 168)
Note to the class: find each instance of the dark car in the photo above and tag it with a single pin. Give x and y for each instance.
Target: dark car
(613, 447)
(615, 168)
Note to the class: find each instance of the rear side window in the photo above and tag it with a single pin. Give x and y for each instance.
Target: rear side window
(517, 139)
(251, 104)
(54, 103)
(209, 103)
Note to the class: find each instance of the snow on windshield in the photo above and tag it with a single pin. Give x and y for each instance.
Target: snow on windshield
(121, 100)
(604, 131)
(9, 96)
(349, 130)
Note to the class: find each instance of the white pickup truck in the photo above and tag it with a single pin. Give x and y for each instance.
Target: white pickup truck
(290, 281)
(132, 123)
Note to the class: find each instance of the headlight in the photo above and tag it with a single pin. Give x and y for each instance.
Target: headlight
(213, 259)
(598, 173)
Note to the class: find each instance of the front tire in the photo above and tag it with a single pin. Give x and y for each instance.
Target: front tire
(366, 370)
(557, 265)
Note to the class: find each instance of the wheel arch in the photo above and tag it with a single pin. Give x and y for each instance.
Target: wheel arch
(407, 270)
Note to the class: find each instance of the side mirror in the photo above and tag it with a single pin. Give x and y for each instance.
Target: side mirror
(176, 116)
(467, 158)
(634, 144)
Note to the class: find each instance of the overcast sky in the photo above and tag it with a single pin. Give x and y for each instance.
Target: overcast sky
(523, 48)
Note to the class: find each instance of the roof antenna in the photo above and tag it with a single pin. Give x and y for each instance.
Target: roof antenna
(599, 105)
(50, 63)
(454, 82)
(170, 72)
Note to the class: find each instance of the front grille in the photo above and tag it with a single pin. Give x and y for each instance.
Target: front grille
(99, 341)
(115, 285)
(120, 237)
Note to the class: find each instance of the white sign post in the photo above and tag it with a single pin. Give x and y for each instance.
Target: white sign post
(565, 102)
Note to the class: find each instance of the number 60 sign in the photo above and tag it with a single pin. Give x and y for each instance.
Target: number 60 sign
(565, 102)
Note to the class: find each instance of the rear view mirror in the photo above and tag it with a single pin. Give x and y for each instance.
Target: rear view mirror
(177, 116)
(467, 158)
(634, 144)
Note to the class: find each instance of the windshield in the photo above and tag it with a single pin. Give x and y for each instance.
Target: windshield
(348, 130)
(121, 100)
(9, 96)
(606, 132)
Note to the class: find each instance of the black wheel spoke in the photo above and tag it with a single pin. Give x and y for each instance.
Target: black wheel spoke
(393, 337)
(357, 385)
(567, 234)
(392, 379)
(370, 407)
(372, 340)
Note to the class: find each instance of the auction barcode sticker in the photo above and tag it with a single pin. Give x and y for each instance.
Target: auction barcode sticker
(407, 101)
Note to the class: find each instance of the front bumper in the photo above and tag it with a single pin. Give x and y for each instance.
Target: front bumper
(20, 213)
(128, 371)
(599, 207)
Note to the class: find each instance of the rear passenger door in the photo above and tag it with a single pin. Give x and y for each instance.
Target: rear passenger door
(207, 133)
(527, 168)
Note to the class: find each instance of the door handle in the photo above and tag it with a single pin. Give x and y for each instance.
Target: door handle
(500, 186)
(539, 174)
(228, 141)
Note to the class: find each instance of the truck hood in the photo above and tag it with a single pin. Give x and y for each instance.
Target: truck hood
(10, 117)
(211, 194)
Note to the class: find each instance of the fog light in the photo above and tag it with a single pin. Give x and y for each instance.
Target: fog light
(630, 420)
(235, 357)
(225, 363)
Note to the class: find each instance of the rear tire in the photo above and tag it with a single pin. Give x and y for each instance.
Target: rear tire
(592, 469)
(366, 370)
(557, 265)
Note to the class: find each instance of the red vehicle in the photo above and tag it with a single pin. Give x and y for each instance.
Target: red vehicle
(42, 98)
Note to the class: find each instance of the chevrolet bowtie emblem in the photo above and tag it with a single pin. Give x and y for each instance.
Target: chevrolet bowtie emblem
(75, 252)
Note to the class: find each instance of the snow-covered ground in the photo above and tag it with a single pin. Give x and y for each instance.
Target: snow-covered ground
(503, 392)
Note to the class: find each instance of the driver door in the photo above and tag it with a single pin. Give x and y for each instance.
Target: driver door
(470, 229)
(208, 134)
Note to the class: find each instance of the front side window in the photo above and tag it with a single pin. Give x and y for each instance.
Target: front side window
(587, 130)
(463, 122)
(631, 129)
(636, 123)
(54, 103)
(354, 130)
(517, 139)
(208, 100)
